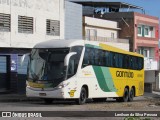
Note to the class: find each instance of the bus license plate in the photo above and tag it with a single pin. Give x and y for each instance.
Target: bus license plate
(42, 94)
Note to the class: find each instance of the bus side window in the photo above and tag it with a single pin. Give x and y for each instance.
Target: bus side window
(111, 59)
(91, 56)
(120, 60)
(116, 57)
(130, 63)
(140, 63)
(71, 67)
(86, 57)
(106, 58)
(97, 57)
(101, 57)
(125, 62)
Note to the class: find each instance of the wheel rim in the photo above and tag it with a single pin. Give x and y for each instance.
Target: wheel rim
(83, 96)
(126, 95)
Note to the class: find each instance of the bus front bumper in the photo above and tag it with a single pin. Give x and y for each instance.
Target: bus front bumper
(45, 93)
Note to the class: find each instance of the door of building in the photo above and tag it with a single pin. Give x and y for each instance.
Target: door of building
(3, 73)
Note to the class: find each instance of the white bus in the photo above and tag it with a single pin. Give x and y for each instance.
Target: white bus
(78, 70)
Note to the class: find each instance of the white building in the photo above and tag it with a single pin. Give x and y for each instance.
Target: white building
(103, 30)
(23, 23)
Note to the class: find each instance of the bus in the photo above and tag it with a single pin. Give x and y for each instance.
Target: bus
(79, 70)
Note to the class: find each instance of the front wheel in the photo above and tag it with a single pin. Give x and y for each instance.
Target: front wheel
(83, 97)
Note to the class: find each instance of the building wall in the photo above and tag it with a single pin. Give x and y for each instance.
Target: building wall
(101, 30)
(150, 41)
(104, 28)
(149, 76)
(73, 21)
(124, 46)
(40, 11)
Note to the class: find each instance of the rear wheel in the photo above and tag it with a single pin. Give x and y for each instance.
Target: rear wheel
(125, 97)
(131, 95)
(48, 101)
(83, 97)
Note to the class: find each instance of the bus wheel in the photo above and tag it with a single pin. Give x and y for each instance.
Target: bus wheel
(83, 97)
(125, 96)
(131, 95)
(48, 101)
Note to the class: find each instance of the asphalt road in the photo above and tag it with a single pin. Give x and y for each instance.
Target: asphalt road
(139, 104)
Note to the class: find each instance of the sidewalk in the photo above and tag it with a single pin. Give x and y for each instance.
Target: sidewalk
(154, 94)
(19, 98)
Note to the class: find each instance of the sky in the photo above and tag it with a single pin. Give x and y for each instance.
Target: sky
(151, 7)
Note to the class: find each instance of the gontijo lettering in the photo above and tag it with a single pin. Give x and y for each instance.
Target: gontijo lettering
(124, 74)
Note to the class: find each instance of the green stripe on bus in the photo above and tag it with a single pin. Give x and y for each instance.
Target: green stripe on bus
(101, 79)
(108, 79)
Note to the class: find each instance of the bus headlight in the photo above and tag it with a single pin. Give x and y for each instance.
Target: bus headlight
(62, 85)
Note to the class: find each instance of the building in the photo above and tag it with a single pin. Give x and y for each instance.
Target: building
(95, 29)
(142, 31)
(23, 23)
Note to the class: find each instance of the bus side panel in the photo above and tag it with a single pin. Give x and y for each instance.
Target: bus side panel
(128, 78)
(94, 78)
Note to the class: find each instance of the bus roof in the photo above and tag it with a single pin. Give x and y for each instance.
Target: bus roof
(69, 43)
(59, 43)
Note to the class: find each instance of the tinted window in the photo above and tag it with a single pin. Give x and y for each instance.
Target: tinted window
(100, 57)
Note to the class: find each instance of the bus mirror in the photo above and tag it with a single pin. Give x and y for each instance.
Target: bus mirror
(23, 58)
(66, 61)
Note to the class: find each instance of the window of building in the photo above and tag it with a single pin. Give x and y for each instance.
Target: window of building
(146, 31)
(53, 27)
(25, 24)
(145, 53)
(139, 31)
(112, 35)
(5, 20)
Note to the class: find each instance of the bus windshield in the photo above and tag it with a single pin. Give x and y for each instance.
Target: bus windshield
(47, 64)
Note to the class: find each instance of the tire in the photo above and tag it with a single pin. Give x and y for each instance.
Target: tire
(131, 95)
(83, 97)
(48, 101)
(99, 99)
(125, 97)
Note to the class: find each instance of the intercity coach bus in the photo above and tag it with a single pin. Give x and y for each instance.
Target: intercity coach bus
(79, 69)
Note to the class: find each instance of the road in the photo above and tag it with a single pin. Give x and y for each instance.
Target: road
(139, 104)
